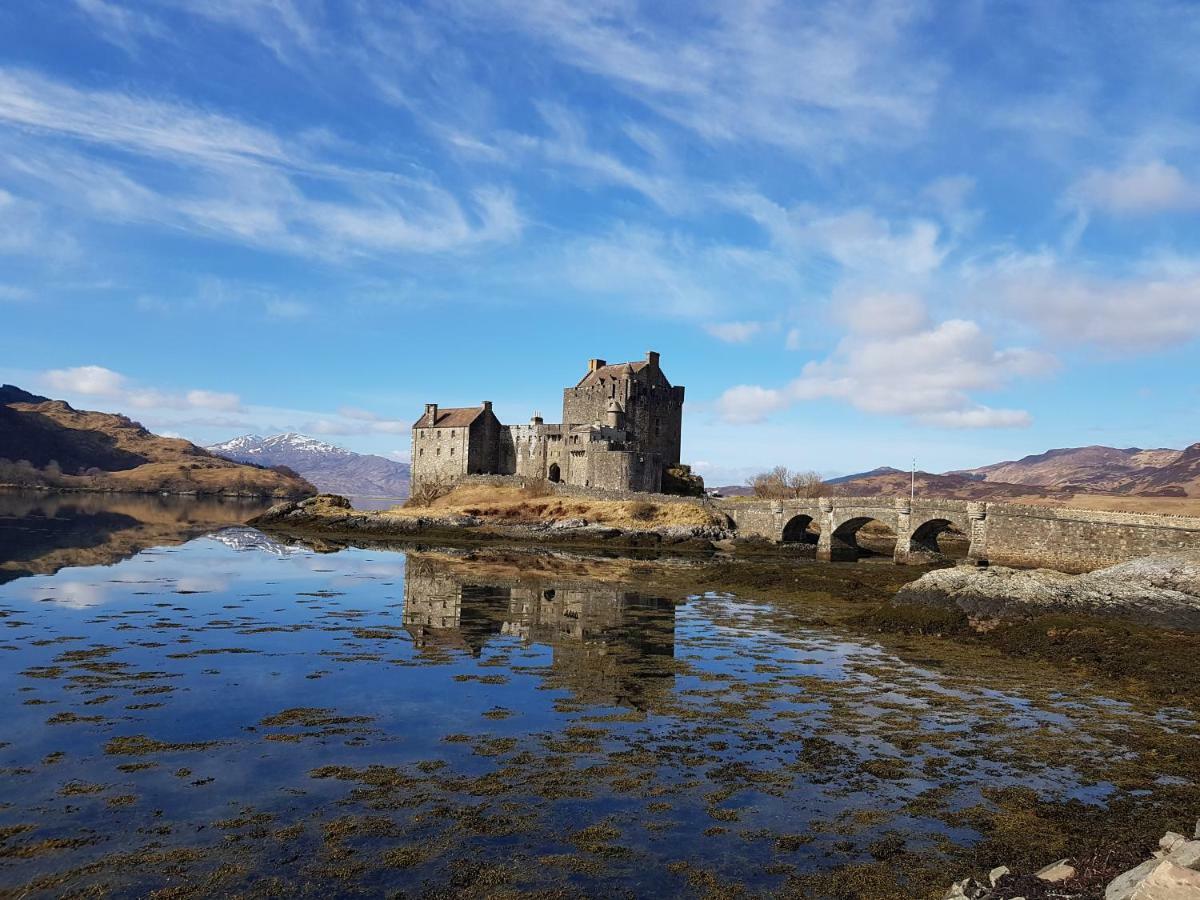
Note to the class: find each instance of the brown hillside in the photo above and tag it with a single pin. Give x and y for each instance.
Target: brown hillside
(73, 449)
(1092, 468)
(1180, 478)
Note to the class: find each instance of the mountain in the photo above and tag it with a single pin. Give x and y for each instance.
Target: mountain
(882, 470)
(48, 443)
(331, 468)
(1092, 468)
(1179, 478)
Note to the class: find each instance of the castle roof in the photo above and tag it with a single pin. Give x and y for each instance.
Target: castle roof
(616, 370)
(459, 417)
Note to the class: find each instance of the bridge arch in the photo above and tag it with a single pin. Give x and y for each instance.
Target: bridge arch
(861, 535)
(801, 529)
(939, 537)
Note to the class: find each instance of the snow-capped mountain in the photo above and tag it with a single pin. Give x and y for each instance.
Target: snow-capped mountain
(331, 468)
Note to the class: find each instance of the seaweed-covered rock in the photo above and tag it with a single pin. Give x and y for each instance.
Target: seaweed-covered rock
(1161, 590)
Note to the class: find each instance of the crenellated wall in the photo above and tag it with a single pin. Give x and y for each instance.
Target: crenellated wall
(1071, 540)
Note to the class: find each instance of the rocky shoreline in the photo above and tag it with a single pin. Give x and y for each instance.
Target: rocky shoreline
(1156, 590)
(333, 516)
(1171, 873)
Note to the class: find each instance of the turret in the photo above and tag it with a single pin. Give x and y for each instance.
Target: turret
(614, 417)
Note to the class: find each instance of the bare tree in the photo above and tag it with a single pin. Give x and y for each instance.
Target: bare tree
(780, 483)
(427, 490)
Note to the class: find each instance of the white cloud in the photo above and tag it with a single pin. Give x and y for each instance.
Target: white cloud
(894, 362)
(228, 179)
(1157, 305)
(92, 381)
(734, 332)
(213, 400)
(748, 403)
(1152, 187)
(814, 78)
(97, 381)
(859, 240)
(883, 314)
(119, 25)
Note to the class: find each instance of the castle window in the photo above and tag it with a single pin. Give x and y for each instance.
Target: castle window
(421, 452)
(439, 451)
(451, 451)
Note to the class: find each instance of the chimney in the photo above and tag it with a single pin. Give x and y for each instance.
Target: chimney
(652, 359)
(594, 364)
(431, 413)
(487, 405)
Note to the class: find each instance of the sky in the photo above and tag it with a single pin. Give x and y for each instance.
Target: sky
(858, 232)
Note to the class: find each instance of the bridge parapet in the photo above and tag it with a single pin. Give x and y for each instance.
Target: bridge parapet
(1072, 540)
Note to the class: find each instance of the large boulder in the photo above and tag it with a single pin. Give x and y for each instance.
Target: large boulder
(1161, 590)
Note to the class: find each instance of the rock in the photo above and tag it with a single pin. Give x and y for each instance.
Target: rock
(996, 874)
(1170, 841)
(1186, 854)
(1163, 590)
(1197, 832)
(1168, 881)
(1123, 886)
(1056, 871)
(967, 889)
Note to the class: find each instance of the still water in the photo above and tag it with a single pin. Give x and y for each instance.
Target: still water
(194, 707)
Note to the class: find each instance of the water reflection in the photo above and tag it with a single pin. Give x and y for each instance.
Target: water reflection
(604, 638)
(237, 716)
(42, 532)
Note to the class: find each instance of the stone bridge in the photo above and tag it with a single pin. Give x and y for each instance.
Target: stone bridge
(1071, 540)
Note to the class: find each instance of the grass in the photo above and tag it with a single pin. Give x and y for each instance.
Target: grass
(513, 506)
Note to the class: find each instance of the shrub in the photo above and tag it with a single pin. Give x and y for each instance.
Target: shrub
(642, 511)
(425, 492)
(536, 487)
(681, 480)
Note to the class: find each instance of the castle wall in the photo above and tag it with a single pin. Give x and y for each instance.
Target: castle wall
(440, 454)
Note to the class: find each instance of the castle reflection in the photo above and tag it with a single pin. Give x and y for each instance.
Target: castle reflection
(610, 646)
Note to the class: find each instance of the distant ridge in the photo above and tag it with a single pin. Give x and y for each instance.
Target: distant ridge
(49, 444)
(331, 468)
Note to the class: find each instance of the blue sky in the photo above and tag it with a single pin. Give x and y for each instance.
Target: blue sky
(858, 232)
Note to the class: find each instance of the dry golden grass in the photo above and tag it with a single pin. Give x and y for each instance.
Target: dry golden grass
(513, 505)
(1168, 506)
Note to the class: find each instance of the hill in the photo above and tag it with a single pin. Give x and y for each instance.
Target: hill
(48, 443)
(332, 469)
(1093, 468)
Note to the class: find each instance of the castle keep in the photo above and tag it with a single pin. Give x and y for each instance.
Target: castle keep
(620, 429)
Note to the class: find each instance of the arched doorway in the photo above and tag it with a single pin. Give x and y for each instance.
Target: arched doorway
(555, 473)
(938, 539)
(862, 537)
(802, 531)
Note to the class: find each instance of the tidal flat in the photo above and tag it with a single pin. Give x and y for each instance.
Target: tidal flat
(241, 716)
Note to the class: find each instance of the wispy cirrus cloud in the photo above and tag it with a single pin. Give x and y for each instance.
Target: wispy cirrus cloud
(218, 176)
(816, 79)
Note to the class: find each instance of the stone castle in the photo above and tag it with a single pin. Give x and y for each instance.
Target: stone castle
(620, 430)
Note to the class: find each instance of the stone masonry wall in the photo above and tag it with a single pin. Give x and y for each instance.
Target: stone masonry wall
(1070, 540)
(1074, 540)
(439, 454)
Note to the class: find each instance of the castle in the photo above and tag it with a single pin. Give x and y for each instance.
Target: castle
(620, 430)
